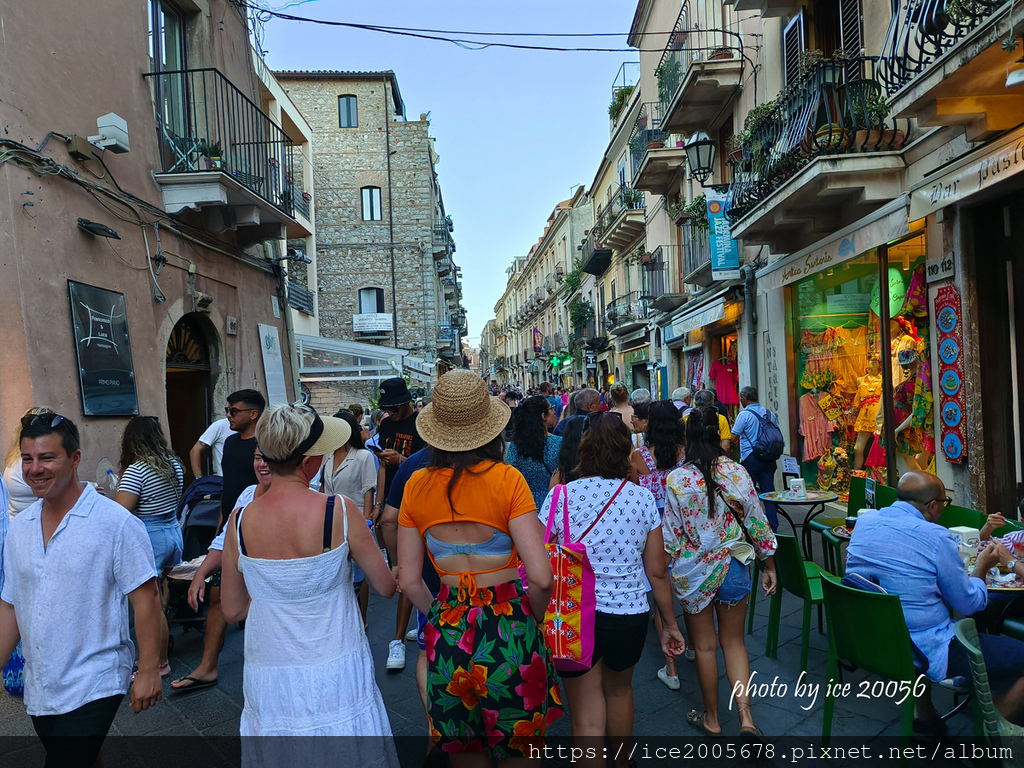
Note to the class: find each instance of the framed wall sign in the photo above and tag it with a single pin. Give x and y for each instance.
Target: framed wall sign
(105, 372)
(952, 401)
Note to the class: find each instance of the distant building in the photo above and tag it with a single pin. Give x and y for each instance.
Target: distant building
(385, 270)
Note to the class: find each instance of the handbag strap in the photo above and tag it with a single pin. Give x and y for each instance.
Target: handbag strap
(559, 490)
(606, 506)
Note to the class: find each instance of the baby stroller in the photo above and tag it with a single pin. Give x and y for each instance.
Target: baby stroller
(198, 513)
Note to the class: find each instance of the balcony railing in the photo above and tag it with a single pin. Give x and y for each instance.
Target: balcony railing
(923, 31)
(623, 199)
(646, 133)
(655, 273)
(704, 31)
(625, 310)
(208, 124)
(443, 239)
(584, 333)
(595, 258)
(300, 297)
(696, 253)
(824, 113)
(299, 203)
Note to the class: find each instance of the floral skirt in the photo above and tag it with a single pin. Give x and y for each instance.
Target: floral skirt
(491, 685)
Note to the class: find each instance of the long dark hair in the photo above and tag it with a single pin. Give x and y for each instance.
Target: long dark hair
(605, 448)
(569, 453)
(529, 435)
(461, 461)
(703, 448)
(356, 439)
(665, 434)
(143, 440)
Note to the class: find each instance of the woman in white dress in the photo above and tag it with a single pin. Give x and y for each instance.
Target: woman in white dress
(308, 669)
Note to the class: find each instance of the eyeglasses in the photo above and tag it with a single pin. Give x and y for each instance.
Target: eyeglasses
(945, 502)
(393, 408)
(236, 411)
(40, 418)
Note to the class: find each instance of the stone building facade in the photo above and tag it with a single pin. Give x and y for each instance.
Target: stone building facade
(384, 248)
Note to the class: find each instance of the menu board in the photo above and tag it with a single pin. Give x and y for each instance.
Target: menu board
(949, 320)
(105, 373)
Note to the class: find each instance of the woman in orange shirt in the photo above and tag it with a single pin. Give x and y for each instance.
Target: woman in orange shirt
(491, 686)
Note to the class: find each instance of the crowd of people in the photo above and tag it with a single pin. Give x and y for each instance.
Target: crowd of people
(450, 505)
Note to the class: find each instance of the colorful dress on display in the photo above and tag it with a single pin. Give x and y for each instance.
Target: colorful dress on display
(819, 351)
(726, 378)
(869, 395)
(913, 397)
(698, 545)
(852, 357)
(815, 426)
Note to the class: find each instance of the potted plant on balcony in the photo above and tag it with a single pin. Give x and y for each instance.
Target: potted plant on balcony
(668, 75)
(632, 198)
(698, 211)
(619, 100)
(212, 153)
(869, 115)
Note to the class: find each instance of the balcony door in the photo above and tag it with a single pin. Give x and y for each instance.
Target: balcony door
(167, 54)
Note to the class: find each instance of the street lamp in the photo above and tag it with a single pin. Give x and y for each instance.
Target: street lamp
(700, 154)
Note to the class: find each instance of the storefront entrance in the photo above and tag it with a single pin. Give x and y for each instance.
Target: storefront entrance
(999, 275)
(189, 387)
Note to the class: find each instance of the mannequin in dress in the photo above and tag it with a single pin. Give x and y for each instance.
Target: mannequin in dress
(911, 442)
(865, 404)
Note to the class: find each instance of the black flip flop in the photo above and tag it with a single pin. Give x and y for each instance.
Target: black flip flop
(195, 684)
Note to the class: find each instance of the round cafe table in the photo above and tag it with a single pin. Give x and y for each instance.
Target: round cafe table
(813, 501)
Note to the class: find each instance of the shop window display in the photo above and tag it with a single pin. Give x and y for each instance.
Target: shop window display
(840, 390)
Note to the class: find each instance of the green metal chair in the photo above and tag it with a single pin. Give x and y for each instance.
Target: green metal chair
(953, 516)
(990, 727)
(884, 496)
(801, 579)
(832, 545)
(866, 629)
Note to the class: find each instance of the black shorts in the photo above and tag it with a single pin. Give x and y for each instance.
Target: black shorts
(74, 739)
(618, 641)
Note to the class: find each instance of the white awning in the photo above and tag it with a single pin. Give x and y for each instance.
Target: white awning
(323, 359)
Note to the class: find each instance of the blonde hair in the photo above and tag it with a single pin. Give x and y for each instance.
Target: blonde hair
(280, 430)
(14, 452)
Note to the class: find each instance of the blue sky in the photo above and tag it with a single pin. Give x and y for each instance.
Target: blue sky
(515, 129)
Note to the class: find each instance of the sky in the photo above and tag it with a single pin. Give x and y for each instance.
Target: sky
(516, 130)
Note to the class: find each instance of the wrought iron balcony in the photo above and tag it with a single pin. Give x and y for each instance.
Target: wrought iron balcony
(625, 314)
(444, 244)
(595, 257)
(925, 30)
(584, 334)
(621, 219)
(218, 147)
(830, 110)
(701, 68)
(660, 287)
(654, 162)
(696, 255)
(300, 205)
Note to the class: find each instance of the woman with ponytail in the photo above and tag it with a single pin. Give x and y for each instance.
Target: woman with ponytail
(532, 450)
(714, 527)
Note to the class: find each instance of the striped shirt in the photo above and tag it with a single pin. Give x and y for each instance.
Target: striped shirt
(157, 496)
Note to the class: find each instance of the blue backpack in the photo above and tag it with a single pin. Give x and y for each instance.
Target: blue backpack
(769, 443)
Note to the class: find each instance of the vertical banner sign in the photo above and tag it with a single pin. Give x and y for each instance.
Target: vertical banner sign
(273, 365)
(949, 320)
(105, 372)
(870, 501)
(538, 341)
(725, 252)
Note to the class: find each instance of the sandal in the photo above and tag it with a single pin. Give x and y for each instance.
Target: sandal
(194, 684)
(749, 734)
(696, 719)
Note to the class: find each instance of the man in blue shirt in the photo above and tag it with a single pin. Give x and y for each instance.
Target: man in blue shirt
(556, 402)
(747, 426)
(907, 553)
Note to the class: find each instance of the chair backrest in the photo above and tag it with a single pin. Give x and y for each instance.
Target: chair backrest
(967, 636)
(953, 516)
(789, 566)
(885, 496)
(856, 502)
(868, 629)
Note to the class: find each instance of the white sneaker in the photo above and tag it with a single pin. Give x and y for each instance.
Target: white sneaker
(690, 655)
(671, 681)
(412, 635)
(396, 655)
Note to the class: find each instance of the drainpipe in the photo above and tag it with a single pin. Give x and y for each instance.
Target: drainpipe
(750, 316)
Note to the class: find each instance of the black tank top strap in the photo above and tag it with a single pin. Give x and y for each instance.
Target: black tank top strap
(238, 530)
(329, 523)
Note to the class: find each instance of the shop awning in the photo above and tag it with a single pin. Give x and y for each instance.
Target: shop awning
(322, 359)
(706, 312)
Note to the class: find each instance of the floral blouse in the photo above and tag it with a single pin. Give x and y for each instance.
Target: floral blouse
(698, 545)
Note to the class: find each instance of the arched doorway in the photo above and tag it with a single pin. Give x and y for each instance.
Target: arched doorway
(188, 388)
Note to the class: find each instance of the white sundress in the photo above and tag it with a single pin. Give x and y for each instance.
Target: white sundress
(308, 670)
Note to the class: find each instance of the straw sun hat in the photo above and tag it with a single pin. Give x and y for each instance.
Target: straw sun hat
(462, 415)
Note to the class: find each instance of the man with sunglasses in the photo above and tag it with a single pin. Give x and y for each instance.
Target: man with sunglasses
(906, 552)
(72, 562)
(398, 440)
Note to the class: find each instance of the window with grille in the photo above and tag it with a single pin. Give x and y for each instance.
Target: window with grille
(371, 203)
(347, 112)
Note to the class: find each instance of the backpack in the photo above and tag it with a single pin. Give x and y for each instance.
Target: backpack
(569, 618)
(769, 443)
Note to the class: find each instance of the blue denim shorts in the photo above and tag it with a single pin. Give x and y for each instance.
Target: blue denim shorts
(165, 536)
(737, 583)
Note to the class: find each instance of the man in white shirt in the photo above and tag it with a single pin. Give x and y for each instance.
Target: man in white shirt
(72, 561)
(212, 439)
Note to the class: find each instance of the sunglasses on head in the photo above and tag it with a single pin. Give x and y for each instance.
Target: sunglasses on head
(42, 418)
(596, 416)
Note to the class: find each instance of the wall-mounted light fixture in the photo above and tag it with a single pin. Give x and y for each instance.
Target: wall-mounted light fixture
(700, 155)
(99, 230)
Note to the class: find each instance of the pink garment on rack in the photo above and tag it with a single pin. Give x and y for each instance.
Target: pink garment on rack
(815, 427)
(726, 378)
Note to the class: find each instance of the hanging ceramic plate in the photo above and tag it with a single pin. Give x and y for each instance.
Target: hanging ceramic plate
(947, 320)
(949, 350)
